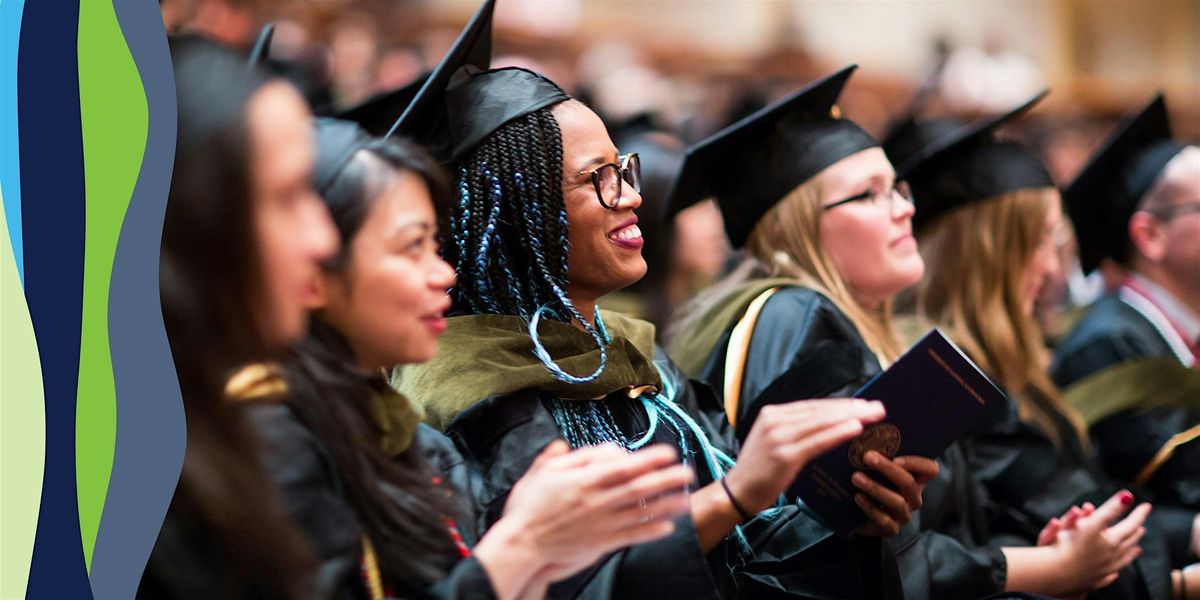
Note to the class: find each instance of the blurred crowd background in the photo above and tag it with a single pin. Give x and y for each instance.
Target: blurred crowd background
(664, 73)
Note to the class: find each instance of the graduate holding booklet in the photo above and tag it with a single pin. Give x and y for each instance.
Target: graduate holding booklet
(932, 394)
(825, 227)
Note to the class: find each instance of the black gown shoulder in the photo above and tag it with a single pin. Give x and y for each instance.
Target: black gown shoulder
(802, 346)
(792, 555)
(304, 471)
(1029, 480)
(1111, 332)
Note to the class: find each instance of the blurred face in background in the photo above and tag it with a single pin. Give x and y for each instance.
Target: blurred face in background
(1168, 232)
(292, 228)
(700, 245)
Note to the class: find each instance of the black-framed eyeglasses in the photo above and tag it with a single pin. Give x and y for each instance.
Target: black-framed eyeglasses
(1177, 210)
(877, 197)
(607, 179)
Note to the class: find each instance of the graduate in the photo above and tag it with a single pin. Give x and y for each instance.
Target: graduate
(357, 471)
(989, 228)
(242, 237)
(826, 227)
(1130, 365)
(542, 225)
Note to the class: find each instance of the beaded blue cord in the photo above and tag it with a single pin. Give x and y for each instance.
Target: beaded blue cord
(460, 232)
(481, 258)
(539, 350)
(582, 423)
(543, 355)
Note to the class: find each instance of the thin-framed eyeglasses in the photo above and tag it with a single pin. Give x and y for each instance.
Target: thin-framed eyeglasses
(1170, 212)
(878, 197)
(608, 178)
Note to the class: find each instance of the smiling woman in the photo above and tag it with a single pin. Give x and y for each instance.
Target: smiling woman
(543, 225)
(612, 260)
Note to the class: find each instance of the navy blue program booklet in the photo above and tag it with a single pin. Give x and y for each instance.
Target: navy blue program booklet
(932, 394)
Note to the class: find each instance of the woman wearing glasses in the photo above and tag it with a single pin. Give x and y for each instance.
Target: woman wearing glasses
(827, 231)
(543, 225)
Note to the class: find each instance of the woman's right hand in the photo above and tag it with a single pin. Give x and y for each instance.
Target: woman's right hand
(573, 507)
(1094, 546)
(786, 437)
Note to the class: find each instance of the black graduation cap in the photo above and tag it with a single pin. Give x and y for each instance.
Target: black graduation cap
(463, 102)
(1108, 190)
(908, 137)
(752, 164)
(262, 46)
(968, 165)
(378, 113)
(212, 85)
(337, 142)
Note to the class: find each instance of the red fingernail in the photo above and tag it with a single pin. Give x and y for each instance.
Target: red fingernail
(1126, 498)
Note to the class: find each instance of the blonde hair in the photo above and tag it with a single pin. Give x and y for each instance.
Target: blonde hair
(975, 257)
(786, 242)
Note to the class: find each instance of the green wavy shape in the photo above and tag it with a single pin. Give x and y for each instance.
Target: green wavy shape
(112, 105)
(22, 426)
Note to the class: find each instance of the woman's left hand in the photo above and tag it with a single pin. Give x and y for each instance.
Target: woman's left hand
(890, 509)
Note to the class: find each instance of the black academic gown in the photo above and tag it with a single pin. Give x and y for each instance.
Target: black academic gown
(303, 469)
(794, 556)
(1112, 333)
(803, 346)
(1030, 480)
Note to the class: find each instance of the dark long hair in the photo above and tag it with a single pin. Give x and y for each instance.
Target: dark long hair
(401, 510)
(207, 284)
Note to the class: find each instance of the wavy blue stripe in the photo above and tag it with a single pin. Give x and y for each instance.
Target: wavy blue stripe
(150, 424)
(52, 218)
(10, 169)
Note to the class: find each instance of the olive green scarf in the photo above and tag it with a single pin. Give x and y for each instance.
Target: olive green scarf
(1139, 385)
(491, 355)
(396, 416)
(1135, 385)
(691, 348)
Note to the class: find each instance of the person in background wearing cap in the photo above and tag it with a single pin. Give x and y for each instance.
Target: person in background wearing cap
(990, 219)
(1130, 366)
(382, 501)
(542, 226)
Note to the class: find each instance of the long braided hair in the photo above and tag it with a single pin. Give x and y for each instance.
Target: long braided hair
(507, 240)
(507, 234)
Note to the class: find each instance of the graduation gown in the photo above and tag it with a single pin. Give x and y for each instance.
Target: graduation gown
(1030, 480)
(792, 555)
(315, 499)
(305, 472)
(1131, 423)
(803, 346)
